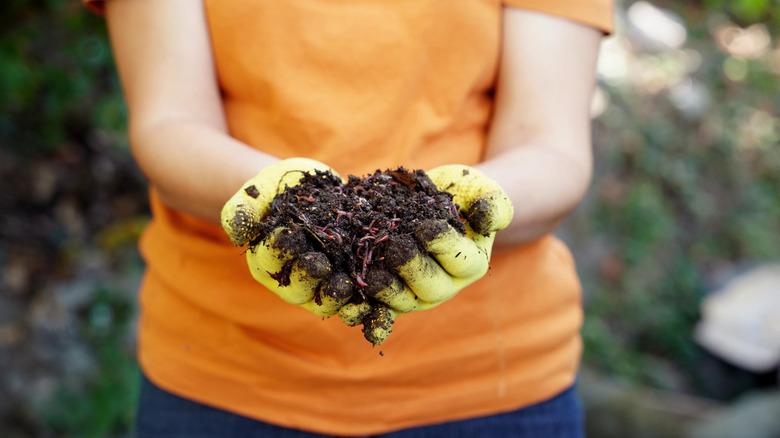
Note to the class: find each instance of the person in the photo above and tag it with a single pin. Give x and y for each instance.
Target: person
(218, 91)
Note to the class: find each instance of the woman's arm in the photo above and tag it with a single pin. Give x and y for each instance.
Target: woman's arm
(177, 127)
(539, 146)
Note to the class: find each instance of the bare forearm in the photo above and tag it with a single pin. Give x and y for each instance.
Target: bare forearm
(194, 167)
(544, 184)
(177, 125)
(538, 147)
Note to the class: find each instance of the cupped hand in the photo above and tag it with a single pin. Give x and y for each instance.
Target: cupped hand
(279, 260)
(451, 260)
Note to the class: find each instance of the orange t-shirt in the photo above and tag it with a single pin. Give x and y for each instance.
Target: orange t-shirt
(359, 85)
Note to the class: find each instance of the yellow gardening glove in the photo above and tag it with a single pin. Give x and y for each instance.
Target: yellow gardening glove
(271, 260)
(452, 260)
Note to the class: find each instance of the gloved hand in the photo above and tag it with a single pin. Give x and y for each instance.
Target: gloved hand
(422, 282)
(415, 281)
(269, 260)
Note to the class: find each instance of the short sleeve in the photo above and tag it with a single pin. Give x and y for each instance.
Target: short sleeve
(96, 6)
(595, 13)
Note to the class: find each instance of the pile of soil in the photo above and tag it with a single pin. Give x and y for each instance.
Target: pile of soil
(365, 227)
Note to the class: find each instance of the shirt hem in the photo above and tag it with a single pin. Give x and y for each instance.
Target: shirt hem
(168, 379)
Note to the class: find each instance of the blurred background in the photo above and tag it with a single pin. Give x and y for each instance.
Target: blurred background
(678, 243)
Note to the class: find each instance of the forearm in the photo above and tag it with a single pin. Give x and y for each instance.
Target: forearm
(194, 167)
(538, 147)
(177, 124)
(544, 185)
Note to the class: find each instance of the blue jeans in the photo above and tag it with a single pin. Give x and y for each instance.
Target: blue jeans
(162, 414)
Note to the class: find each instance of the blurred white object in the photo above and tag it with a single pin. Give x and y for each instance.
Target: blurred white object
(655, 28)
(599, 102)
(741, 322)
(614, 59)
(745, 43)
(690, 97)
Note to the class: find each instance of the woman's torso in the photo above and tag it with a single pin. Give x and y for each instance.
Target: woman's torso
(357, 84)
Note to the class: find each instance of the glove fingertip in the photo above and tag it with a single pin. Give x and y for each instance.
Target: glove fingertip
(239, 221)
(400, 250)
(314, 264)
(491, 213)
(352, 314)
(430, 229)
(378, 324)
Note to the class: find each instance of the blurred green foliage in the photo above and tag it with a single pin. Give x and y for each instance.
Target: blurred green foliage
(56, 75)
(748, 11)
(61, 109)
(106, 404)
(679, 198)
